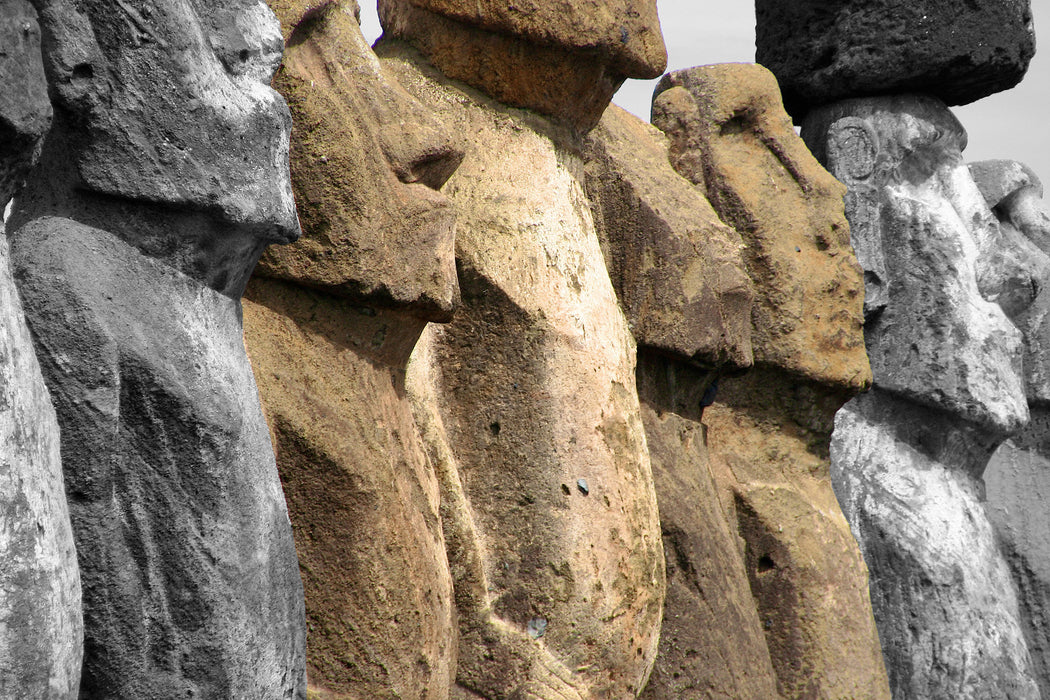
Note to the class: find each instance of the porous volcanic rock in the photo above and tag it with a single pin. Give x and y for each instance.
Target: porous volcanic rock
(564, 59)
(729, 134)
(677, 269)
(947, 363)
(1016, 481)
(955, 50)
(131, 243)
(365, 160)
(41, 622)
(680, 278)
(768, 432)
(528, 402)
(329, 342)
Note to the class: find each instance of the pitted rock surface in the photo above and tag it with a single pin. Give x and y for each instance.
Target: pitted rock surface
(677, 269)
(528, 390)
(729, 134)
(955, 50)
(563, 59)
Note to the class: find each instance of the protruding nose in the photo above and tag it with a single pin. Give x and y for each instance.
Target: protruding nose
(419, 150)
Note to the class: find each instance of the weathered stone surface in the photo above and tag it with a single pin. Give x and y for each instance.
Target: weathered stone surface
(941, 590)
(168, 103)
(25, 112)
(931, 250)
(730, 135)
(41, 623)
(768, 435)
(330, 365)
(528, 402)
(564, 59)
(676, 267)
(768, 432)
(189, 575)
(130, 254)
(1017, 486)
(362, 497)
(907, 459)
(364, 158)
(956, 50)
(712, 642)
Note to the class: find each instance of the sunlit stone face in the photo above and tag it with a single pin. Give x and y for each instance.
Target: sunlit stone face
(168, 102)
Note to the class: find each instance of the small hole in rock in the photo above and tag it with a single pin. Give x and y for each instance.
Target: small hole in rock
(566, 490)
(766, 563)
(244, 54)
(83, 71)
(494, 427)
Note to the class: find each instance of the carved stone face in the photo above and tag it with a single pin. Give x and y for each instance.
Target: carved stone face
(730, 135)
(168, 102)
(560, 57)
(940, 275)
(367, 159)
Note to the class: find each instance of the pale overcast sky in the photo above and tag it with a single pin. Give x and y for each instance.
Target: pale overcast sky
(1014, 124)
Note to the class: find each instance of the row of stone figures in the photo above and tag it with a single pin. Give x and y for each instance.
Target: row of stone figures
(540, 402)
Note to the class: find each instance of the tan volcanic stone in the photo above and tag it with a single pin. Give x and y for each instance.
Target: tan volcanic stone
(729, 133)
(528, 402)
(676, 267)
(330, 324)
(562, 58)
(374, 230)
(768, 432)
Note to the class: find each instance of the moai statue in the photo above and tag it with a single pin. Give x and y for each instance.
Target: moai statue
(330, 322)
(41, 624)
(678, 272)
(907, 458)
(768, 431)
(164, 176)
(1017, 479)
(527, 398)
(869, 82)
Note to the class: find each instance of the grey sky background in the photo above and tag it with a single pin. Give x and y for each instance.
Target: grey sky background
(1014, 124)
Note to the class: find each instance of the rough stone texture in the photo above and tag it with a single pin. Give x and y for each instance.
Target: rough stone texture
(165, 103)
(956, 50)
(906, 459)
(361, 494)
(330, 364)
(564, 59)
(730, 135)
(768, 432)
(932, 252)
(25, 112)
(679, 276)
(1017, 487)
(364, 158)
(712, 643)
(768, 436)
(1016, 480)
(941, 590)
(41, 623)
(528, 402)
(190, 583)
(676, 267)
(130, 254)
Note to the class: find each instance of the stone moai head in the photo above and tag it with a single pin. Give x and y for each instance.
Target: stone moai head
(935, 260)
(367, 160)
(559, 57)
(168, 102)
(1014, 194)
(730, 135)
(25, 112)
(956, 50)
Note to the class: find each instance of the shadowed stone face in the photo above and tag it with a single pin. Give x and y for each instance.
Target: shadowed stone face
(168, 102)
(367, 160)
(562, 58)
(935, 259)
